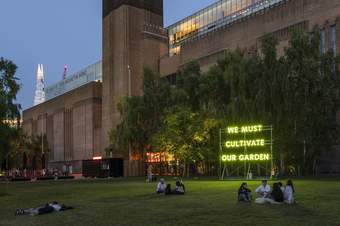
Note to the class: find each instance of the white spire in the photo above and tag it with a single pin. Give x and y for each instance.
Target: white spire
(40, 72)
(40, 86)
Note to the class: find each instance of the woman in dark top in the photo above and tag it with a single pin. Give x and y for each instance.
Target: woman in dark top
(244, 193)
(277, 194)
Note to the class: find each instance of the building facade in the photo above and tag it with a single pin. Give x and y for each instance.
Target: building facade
(77, 120)
(230, 24)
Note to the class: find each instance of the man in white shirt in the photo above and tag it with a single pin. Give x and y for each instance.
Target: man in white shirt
(56, 206)
(263, 190)
(161, 186)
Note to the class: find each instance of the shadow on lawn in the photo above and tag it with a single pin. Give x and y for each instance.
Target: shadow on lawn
(4, 194)
(296, 210)
(140, 197)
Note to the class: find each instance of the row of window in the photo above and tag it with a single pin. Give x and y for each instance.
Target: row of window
(209, 18)
(285, 33)
(87, 75)
(333, 35)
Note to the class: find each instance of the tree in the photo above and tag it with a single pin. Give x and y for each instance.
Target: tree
(141, 116)
(296, 92)
(9, 110)
(214, 93)
(17, 148)
(37, 150)
(311, 99)
(177, 135)
(188, 85)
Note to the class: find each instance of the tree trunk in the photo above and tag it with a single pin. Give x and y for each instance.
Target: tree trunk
(314, 168)
(282, 164)
(188, 170)
(223, 172)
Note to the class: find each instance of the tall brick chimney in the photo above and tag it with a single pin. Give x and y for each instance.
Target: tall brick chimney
(127, 49)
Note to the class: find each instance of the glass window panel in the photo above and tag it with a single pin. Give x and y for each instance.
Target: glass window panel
(322, 41)
(229, 8)
(333, 31)
(202, 21)
(210, 13)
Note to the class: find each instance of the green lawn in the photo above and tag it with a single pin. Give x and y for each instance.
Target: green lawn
(132, 202)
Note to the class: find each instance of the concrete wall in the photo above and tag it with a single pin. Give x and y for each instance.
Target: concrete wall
(72, 124)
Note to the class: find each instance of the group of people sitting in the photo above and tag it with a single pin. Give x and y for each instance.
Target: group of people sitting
(279, 194)
(163, 188)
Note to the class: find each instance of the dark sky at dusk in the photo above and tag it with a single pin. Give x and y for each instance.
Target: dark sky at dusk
(58, 32)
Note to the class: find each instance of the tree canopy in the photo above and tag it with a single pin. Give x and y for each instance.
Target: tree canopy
(9, 109)
(296, 92)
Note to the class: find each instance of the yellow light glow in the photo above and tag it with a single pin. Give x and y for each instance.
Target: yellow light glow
(245, 143)
(247, 157)
(245, 129)
(186, 30)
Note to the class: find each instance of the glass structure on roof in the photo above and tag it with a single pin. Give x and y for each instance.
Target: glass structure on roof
(87, 75)
(217, 15)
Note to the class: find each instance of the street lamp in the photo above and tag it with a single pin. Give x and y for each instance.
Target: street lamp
(42, 140)
(42, 135)
(129, 73)
(129, 78)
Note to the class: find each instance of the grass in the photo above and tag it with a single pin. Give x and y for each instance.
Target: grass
(132, 202)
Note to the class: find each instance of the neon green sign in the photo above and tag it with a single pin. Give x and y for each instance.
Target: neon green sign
(245, 143)
(248, 137)
(246, 157)
(243, 146)
(245, 129)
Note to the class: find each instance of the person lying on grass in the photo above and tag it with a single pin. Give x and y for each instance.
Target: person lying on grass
(244, 193)
(161, 186)
(47, 208)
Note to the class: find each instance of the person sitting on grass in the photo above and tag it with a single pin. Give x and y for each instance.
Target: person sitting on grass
(244, 193)
(289, 193)
(276, 196)
(161, 186)
(47, 208)
(168, 189)
(263, 190)
(281, 186)
(180, 188)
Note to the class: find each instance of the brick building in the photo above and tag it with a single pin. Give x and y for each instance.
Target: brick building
(77, 120)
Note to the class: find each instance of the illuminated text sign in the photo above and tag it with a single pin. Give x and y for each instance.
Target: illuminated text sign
(246, 143)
